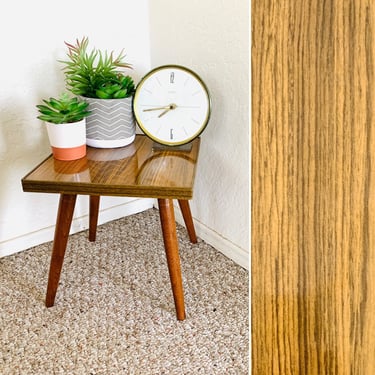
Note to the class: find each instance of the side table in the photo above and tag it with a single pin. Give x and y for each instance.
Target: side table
(137, 170)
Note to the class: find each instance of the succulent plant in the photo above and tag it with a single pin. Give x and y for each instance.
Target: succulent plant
(95, 74)
(63, 110)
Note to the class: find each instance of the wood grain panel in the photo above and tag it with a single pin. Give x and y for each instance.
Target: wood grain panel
(313, 193)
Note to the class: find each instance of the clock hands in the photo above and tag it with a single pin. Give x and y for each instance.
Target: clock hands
(156, 108)
(171, 106)
(166, 108)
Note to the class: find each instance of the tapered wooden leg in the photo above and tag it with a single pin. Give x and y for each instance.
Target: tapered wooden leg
(168, 225)
(188, 219)
(63, 222)
(94, 212)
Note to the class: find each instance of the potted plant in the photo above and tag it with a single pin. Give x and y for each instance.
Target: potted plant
(65, 120)
(99, 78)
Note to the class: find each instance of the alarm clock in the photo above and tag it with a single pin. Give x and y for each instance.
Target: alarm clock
(172, 105)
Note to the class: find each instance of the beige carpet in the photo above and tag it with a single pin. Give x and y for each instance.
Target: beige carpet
(114, 310)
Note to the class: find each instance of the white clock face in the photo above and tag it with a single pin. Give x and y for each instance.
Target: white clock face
(172, 105)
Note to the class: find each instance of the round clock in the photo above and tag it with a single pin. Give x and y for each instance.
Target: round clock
(172, 105)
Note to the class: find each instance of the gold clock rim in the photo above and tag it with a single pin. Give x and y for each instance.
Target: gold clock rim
(136, 95)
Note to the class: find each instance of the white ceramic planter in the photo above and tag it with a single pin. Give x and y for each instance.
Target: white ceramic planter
(111, 122)
(68, 141)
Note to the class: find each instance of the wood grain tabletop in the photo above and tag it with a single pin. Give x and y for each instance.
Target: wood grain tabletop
(137, 170)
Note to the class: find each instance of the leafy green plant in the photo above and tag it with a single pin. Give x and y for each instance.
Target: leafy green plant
(66, 109)
(95, 74)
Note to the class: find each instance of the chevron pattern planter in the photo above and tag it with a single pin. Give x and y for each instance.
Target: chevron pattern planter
(110, 124)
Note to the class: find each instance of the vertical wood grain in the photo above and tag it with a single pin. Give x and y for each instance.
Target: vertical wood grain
(313, 193)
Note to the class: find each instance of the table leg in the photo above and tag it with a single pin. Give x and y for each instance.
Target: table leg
(94, 212)
(168, 225)
(188, 219)
(63, 222)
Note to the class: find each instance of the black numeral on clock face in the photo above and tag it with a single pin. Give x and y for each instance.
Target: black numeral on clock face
(171, 134)
(171, 78)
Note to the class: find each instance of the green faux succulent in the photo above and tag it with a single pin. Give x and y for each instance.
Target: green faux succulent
(94, 74)
(66, 109)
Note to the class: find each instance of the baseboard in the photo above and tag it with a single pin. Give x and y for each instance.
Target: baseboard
(226, 247)
(46, 234)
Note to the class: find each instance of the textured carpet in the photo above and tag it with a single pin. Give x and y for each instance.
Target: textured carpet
(114, 310)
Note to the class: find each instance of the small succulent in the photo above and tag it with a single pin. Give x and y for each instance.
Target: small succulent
(63, 110)
(95, 74)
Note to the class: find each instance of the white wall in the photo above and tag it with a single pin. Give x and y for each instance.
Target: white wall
(212, 38)
(32, 36)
